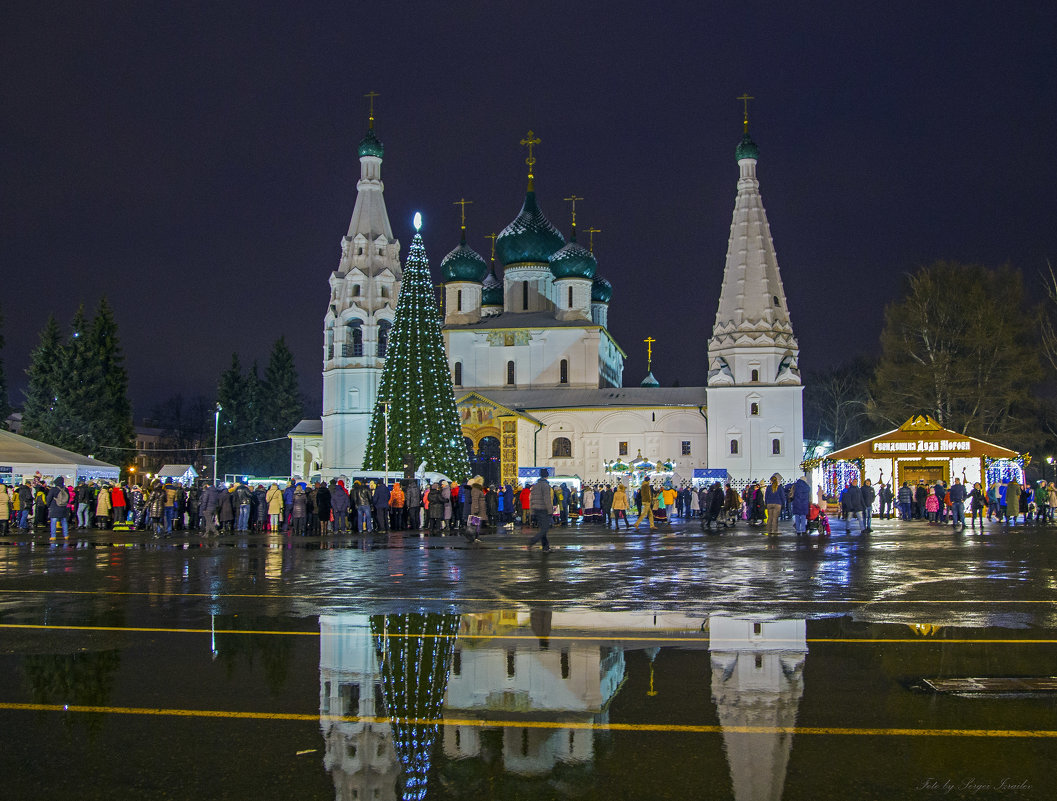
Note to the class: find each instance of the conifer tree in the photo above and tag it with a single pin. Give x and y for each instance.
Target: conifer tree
(5, 406)
(75, 413)
(44, 372)
(111, 421)
(234, 398)
(283, 406)
(422, 418)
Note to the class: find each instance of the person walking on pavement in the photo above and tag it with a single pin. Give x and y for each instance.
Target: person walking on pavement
(646, 494)
(478, 509)
(58, 498)
(957, 492)
(620, 507)
(207, 507)
(801, 505)
(868, 497)
(541, 502)
(851, 504)
(773, 501)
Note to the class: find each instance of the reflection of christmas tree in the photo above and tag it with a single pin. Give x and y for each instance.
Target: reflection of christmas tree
(415, 650)
(422, 419)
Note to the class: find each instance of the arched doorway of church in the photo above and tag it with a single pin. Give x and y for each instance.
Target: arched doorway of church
(484, 461)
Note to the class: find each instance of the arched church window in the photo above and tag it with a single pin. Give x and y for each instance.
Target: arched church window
(776, 447)
(458, 300)
(755, 375)
(458, 374)
(353, 345)
(384, 291)
(776, 303)
(733, 447)
(510, 373)
(355, 290)
(561, 448)
(563, 372)
(524, 295)
(383, 337)
(754, 409)
(570, 297)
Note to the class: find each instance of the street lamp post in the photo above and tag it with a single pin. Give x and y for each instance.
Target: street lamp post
(1050, 461)
(216, 436)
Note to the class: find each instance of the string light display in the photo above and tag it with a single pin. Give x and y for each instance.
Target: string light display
(415, 651)
(423, 421)
(1000, 470)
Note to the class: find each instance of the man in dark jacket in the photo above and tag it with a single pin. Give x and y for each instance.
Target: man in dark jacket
(868, 497)
(413, 504)
(58, 499)
(920, 495)
(605, 500)
(381, 507)
(323, 508)
(852, 505)
(958, 503)
(207, 507)
(541, 502)
(800, 504)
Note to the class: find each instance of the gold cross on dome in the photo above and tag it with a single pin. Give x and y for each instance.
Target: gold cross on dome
(745, 98)
(572, 199)
(463, 203)
(591, 237)
(493, 236)
(530, 141)
(371, 96)
(649, 352)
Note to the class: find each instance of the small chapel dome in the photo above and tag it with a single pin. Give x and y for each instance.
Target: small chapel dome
(463, 264)
(492, 291)
(371, 146)
(573, 261)
(601, 290)
(530, 237)
(746, 148)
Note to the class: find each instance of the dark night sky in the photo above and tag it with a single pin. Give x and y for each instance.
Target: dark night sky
(196, 162)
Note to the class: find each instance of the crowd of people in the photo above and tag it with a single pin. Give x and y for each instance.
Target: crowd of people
(319, 508)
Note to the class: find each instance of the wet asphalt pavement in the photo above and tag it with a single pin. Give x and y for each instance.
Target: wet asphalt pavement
(913, 662)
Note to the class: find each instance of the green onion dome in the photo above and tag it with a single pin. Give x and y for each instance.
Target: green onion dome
(746, 148)
(601, 290)
(370, 146)
(573, 261)
(530, 237)
(492, 291)
(463, 264)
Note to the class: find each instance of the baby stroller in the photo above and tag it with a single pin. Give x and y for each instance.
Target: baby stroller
(817, 521)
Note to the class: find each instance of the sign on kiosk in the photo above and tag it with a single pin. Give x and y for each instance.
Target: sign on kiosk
(922, 446)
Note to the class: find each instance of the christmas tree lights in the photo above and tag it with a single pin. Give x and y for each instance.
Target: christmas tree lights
(416, 386)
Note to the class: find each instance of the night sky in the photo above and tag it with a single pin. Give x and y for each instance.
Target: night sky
(196, 162)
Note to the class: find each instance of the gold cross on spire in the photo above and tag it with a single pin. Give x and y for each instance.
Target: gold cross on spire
(463, 202)
(572, 199)
(591, 237)
(370, 120)
(649, 352)
(530, 141)
(493, 236)
(745, 98)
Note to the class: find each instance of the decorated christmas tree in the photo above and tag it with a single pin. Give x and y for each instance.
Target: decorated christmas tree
(422, 420)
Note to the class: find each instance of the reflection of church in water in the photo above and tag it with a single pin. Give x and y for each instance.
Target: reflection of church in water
(456, 702)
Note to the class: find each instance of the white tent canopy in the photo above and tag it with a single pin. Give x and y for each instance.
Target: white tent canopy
(22, 458)
(184, 473)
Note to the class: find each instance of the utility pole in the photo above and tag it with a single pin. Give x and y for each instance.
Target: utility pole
(216, 437)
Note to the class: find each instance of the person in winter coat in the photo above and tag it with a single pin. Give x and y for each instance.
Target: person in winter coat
(117, 504)
(259, 512)
(57, 499)
(851, 503)
(541, 501)
(273, 500)
(445, 494)
(339, 505)
(323, 508)
(478, 516)
(801, 505)
(207, 508)
(932, 506)
(299, 510)
(226, 509)
(646, 504)
(413, 504)
(868, 497)
(436, 508)
(524, 501)
(380, 502)
(620, 507)
(361, 496)
(978, 500)
(156, 507)
(774, 501)
(396, 507)
(102, 507)
(905, 498)
(1013, 493)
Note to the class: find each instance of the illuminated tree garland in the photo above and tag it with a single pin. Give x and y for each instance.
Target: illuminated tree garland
(423, 421)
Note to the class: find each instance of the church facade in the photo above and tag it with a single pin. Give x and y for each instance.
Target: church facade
(539, 378)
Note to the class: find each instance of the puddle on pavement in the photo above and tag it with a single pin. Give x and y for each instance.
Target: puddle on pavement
(526, 702)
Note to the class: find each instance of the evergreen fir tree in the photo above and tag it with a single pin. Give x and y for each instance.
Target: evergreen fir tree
(44, 372)
(423, 420)
(111, 422)
(5, 406)
(78, 389)
(284, 407)
(234, 400)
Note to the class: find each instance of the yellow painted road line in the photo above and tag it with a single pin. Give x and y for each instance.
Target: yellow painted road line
(676, 640)
(664, 728)
(581, 601)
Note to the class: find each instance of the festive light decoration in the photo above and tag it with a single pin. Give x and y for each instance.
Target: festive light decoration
(1000, 470)
(415, 651)
(416, 385)
(838, 475)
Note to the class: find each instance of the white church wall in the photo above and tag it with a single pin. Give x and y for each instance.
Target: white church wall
(779, 417)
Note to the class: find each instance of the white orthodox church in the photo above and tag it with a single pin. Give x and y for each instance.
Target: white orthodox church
(538, 377)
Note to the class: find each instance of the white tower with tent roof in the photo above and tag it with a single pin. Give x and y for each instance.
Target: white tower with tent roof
(363, 294)
(755, 399)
